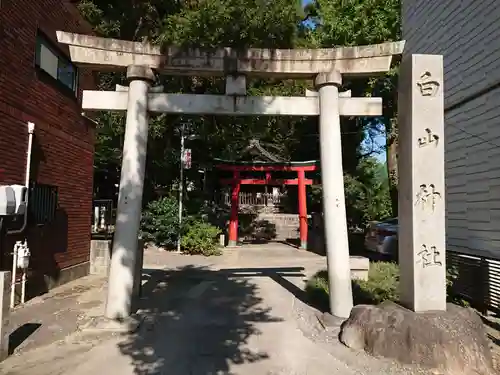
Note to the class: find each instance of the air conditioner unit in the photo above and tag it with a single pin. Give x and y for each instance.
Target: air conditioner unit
(12, 200)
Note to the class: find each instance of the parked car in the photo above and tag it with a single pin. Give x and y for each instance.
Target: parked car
(382, 237)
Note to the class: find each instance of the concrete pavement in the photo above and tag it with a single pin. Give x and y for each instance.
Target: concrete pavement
(241, 313)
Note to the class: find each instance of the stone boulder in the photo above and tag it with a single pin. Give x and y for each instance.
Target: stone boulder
(449, 342)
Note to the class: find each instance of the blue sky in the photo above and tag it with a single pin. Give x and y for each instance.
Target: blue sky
(378, 145)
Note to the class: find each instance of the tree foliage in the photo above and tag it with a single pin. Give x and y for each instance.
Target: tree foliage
(360, 22)
(160, 222)
(241, 24)
(367, 194)
(355, 22)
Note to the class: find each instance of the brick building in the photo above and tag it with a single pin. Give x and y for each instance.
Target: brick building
(39, 84)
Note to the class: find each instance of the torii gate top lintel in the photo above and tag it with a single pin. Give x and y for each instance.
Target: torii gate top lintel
(326, 66)
(101, 53)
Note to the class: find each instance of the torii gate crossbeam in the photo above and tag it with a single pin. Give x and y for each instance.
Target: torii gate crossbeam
(325, 66)
(230, 105)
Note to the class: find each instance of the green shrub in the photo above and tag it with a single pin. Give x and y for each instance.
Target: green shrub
(317, 290)
(200, 238)
(452, 275)
(382, 285)
(160, 222)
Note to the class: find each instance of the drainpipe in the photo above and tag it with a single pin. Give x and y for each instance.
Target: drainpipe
(14, 275)
(31, 130)
(19, 244)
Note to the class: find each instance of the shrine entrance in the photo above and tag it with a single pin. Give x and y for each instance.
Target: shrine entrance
(323, 68)
(250, 198)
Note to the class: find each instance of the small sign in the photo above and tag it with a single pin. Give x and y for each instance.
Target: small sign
(186, 158)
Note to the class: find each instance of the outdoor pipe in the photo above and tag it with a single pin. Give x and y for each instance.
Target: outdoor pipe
(31, 130)
(23, 285)
(14, 275)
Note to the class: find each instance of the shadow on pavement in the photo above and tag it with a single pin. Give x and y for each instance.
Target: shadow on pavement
(17, 337)
(201, 321)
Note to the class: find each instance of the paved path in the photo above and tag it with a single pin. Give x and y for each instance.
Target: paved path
(52, 316)
(237, 314)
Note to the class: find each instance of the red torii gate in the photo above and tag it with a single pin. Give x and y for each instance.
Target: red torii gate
(301, 181)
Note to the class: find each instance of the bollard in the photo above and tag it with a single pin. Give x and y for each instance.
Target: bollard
(4, 313)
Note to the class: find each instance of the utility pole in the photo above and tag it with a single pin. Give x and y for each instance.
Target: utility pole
(181, 188)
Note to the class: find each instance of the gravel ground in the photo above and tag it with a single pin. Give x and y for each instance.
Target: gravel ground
(308, 320)
(493, 331)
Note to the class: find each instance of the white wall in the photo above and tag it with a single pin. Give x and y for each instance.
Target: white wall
(467, 34)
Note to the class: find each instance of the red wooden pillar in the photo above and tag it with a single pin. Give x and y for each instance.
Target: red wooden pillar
(301, 174)
(233, 223)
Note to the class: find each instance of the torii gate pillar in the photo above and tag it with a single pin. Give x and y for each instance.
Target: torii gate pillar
(354, 61)
(337, 246)
(128, 213)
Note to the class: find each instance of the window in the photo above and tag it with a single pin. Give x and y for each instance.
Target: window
(55, 64)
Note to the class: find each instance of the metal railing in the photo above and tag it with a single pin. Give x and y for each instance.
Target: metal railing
(477, 281)
(43, 202)
(103, 218)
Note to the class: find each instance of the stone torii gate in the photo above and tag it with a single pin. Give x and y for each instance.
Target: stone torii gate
(325, 66)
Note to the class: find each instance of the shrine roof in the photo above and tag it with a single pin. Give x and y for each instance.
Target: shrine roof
(262, 159)
(266, 163)
(231, 165)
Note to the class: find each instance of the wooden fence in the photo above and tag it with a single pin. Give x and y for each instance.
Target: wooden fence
(255, 199)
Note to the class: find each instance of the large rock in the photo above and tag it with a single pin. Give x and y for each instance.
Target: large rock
(451, 342)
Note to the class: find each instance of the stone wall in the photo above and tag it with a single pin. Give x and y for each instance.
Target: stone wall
(316, 234)
(100, 257)
(287, 225)
(100, 260)
(269, 226)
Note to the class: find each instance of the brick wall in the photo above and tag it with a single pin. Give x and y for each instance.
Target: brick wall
(63, 142)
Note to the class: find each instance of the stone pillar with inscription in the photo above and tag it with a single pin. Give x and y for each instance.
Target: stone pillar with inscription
(422, 252)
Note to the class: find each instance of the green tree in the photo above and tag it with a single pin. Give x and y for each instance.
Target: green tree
(239, 24)
(236, 23)
(361, 22)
